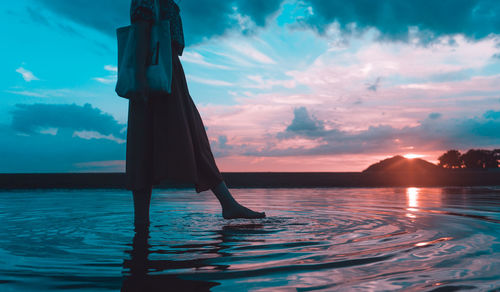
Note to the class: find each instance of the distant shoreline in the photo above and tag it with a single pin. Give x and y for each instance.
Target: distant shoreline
(441, 178)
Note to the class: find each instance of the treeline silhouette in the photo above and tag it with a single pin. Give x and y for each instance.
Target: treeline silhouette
(472, 159)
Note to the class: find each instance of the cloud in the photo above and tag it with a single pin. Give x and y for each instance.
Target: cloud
(39, 17)
(202, 19)
(49, 131)
(43, 92)
(493, 115)
(435, 116)
(28, 76)
(62, 152)
(222, 142)
(221, 148)
(409, 80)
(105, 80)
(27, 93)
(375, 85)
(259, 82)
(258, 10)
(395, 20)
(111, 68)
(61, 138)
(222, 16)
(106, 165)
(303, 125)
(197, 58)
(87, 135)
(33, 118)
(250, 52)
(111, 12)
(111, 78)
(431, 134)
(211, 82)
(306, 135)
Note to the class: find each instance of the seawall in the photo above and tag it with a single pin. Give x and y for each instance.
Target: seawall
(443, 178)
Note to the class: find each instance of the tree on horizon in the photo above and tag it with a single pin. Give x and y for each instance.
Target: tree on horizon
(479, 158)
(451, 159)
(472, 159)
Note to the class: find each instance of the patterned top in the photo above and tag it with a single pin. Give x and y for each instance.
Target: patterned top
(144, 10)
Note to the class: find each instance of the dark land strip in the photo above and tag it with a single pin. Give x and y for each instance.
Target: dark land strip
(442, 178)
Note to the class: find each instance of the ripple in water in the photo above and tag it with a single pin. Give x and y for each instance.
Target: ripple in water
(312, 240)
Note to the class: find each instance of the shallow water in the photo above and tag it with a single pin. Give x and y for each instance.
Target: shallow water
(441, 239)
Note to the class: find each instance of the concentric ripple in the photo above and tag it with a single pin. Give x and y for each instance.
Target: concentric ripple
(312, 240)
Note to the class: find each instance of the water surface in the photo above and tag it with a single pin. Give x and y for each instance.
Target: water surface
(442, 239)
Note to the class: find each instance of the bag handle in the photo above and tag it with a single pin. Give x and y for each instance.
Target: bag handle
(157, 11)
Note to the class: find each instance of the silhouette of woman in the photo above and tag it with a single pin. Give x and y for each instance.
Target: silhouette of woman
(166, 138)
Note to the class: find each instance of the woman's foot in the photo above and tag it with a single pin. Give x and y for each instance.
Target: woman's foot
(231, 209)
(239, 211)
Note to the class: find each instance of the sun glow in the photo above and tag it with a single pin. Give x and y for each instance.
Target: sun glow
(412, 156)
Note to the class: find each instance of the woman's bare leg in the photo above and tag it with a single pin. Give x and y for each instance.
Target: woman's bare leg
(231, 209)
(142, 199)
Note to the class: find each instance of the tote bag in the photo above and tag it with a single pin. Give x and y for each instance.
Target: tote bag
(159, 69)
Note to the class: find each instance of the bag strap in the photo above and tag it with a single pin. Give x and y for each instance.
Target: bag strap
(157, 11)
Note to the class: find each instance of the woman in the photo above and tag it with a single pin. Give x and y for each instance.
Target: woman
(166, 138)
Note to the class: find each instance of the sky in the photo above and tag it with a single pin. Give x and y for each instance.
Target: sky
(281, 85)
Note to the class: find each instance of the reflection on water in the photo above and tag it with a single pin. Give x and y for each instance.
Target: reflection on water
(412, 195)
(313, 240)
(139, 270)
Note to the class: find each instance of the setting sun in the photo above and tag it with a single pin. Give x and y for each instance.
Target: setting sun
(412, 156)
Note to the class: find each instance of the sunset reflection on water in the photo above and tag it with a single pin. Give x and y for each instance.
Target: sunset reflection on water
(313, 239)
(412, 197)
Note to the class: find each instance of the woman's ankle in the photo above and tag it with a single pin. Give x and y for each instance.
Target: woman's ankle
(142, 201)
(224, 196)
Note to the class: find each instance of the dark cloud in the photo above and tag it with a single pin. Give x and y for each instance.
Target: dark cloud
(435, 116)
(207, 18)
(475, 19)
(220, 148)
(433, 133)
(303, 125)
(494, 115)
(204, 19)
(375, 85)
(201, 18)
(104, 15)
(258, 10)
(25, 150)
(56, 153)
(222, 142)
(30, 118)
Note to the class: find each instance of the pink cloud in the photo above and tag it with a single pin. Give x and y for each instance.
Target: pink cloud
(392, 117)
(320, 163)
